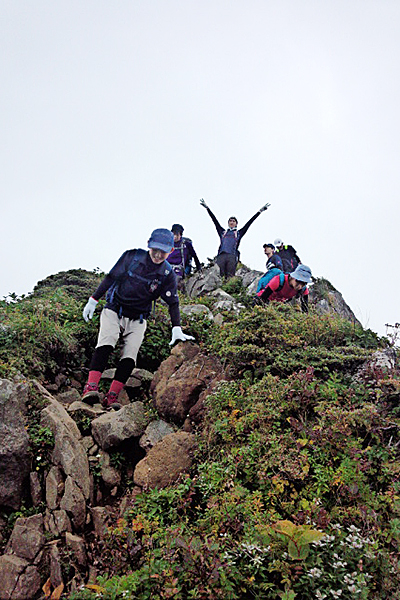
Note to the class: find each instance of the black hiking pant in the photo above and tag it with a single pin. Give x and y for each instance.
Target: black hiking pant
(227, 264)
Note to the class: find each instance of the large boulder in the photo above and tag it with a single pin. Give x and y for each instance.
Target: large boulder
(18, 579)
(113, 428)
(14, 448)
(181, 379)
(68, 452)
(165, 461)
(325, 298)
(203, 282)
(73, 502)
(27, 538)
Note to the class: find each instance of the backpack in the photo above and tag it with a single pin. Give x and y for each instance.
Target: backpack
(139, 258)
(288, 257)
(270, 274)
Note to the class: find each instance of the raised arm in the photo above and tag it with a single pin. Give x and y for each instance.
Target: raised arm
(214, 219)
(244, 229)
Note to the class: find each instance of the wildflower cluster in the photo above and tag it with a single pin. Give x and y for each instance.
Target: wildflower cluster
(341, 561)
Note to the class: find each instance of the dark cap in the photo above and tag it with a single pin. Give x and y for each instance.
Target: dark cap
(161, 239)
(269, 246)
(176, 228)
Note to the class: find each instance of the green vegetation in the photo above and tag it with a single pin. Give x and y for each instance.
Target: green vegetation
(295, 490)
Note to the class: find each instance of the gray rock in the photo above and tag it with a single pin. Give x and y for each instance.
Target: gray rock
(61, 521)
(86, 409)
(18, 579)
(57, 522)
(193, 310)
(77, 546)
(74, 503)
(68, 451)
(249, 278)
(229, 305)
(55, 567)
(14, 448)
(155, 432)
(36, 488)
(111, 429)
(54, 487)
(68, 397)
(219, 294)
(27, 538)
(100, 516)
(109, 474)
(56, 418)
(380, 361)
(202, 283)
(165, 461)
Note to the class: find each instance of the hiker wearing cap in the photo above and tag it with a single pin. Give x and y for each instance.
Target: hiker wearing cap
(273, 266)
(228, 255)
(274, 260)
(137, 279)
(284, 286)
(288, 255)
(182, 255)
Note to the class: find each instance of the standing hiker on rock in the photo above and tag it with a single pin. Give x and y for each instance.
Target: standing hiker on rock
(288, 255)
(181, 255)
(228, 255)
(135, 281)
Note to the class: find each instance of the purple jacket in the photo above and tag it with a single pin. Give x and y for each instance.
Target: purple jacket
(181, 256)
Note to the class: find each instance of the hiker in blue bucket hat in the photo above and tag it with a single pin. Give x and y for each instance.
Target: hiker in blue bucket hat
(284, 286)
(137, 279)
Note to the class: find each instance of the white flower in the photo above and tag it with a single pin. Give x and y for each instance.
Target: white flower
(320, 595)
(336, 594)
(314, 572)
(353, 589)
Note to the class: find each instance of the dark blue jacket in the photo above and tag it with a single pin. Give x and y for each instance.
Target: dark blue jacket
(230, 238)
(274, 261)
(131, 294)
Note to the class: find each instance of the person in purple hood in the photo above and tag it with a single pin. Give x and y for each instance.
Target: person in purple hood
(182, 255)
(227, 257)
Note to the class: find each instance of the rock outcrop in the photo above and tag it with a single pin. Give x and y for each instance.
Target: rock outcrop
(14, 448)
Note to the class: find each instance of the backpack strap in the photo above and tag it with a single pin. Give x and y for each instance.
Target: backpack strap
(139, 257)
(281, 281)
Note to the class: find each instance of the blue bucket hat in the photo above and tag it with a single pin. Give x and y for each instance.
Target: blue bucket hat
(161, 239)
(302, 273)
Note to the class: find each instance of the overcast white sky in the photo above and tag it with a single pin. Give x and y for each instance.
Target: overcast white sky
(117, 117)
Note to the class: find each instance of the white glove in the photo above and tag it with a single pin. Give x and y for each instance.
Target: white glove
(203, 203)
(177, 334)
(88, 311)
(264, 207)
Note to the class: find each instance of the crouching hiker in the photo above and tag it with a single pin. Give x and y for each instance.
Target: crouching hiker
(136, 280)
(284, 286)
